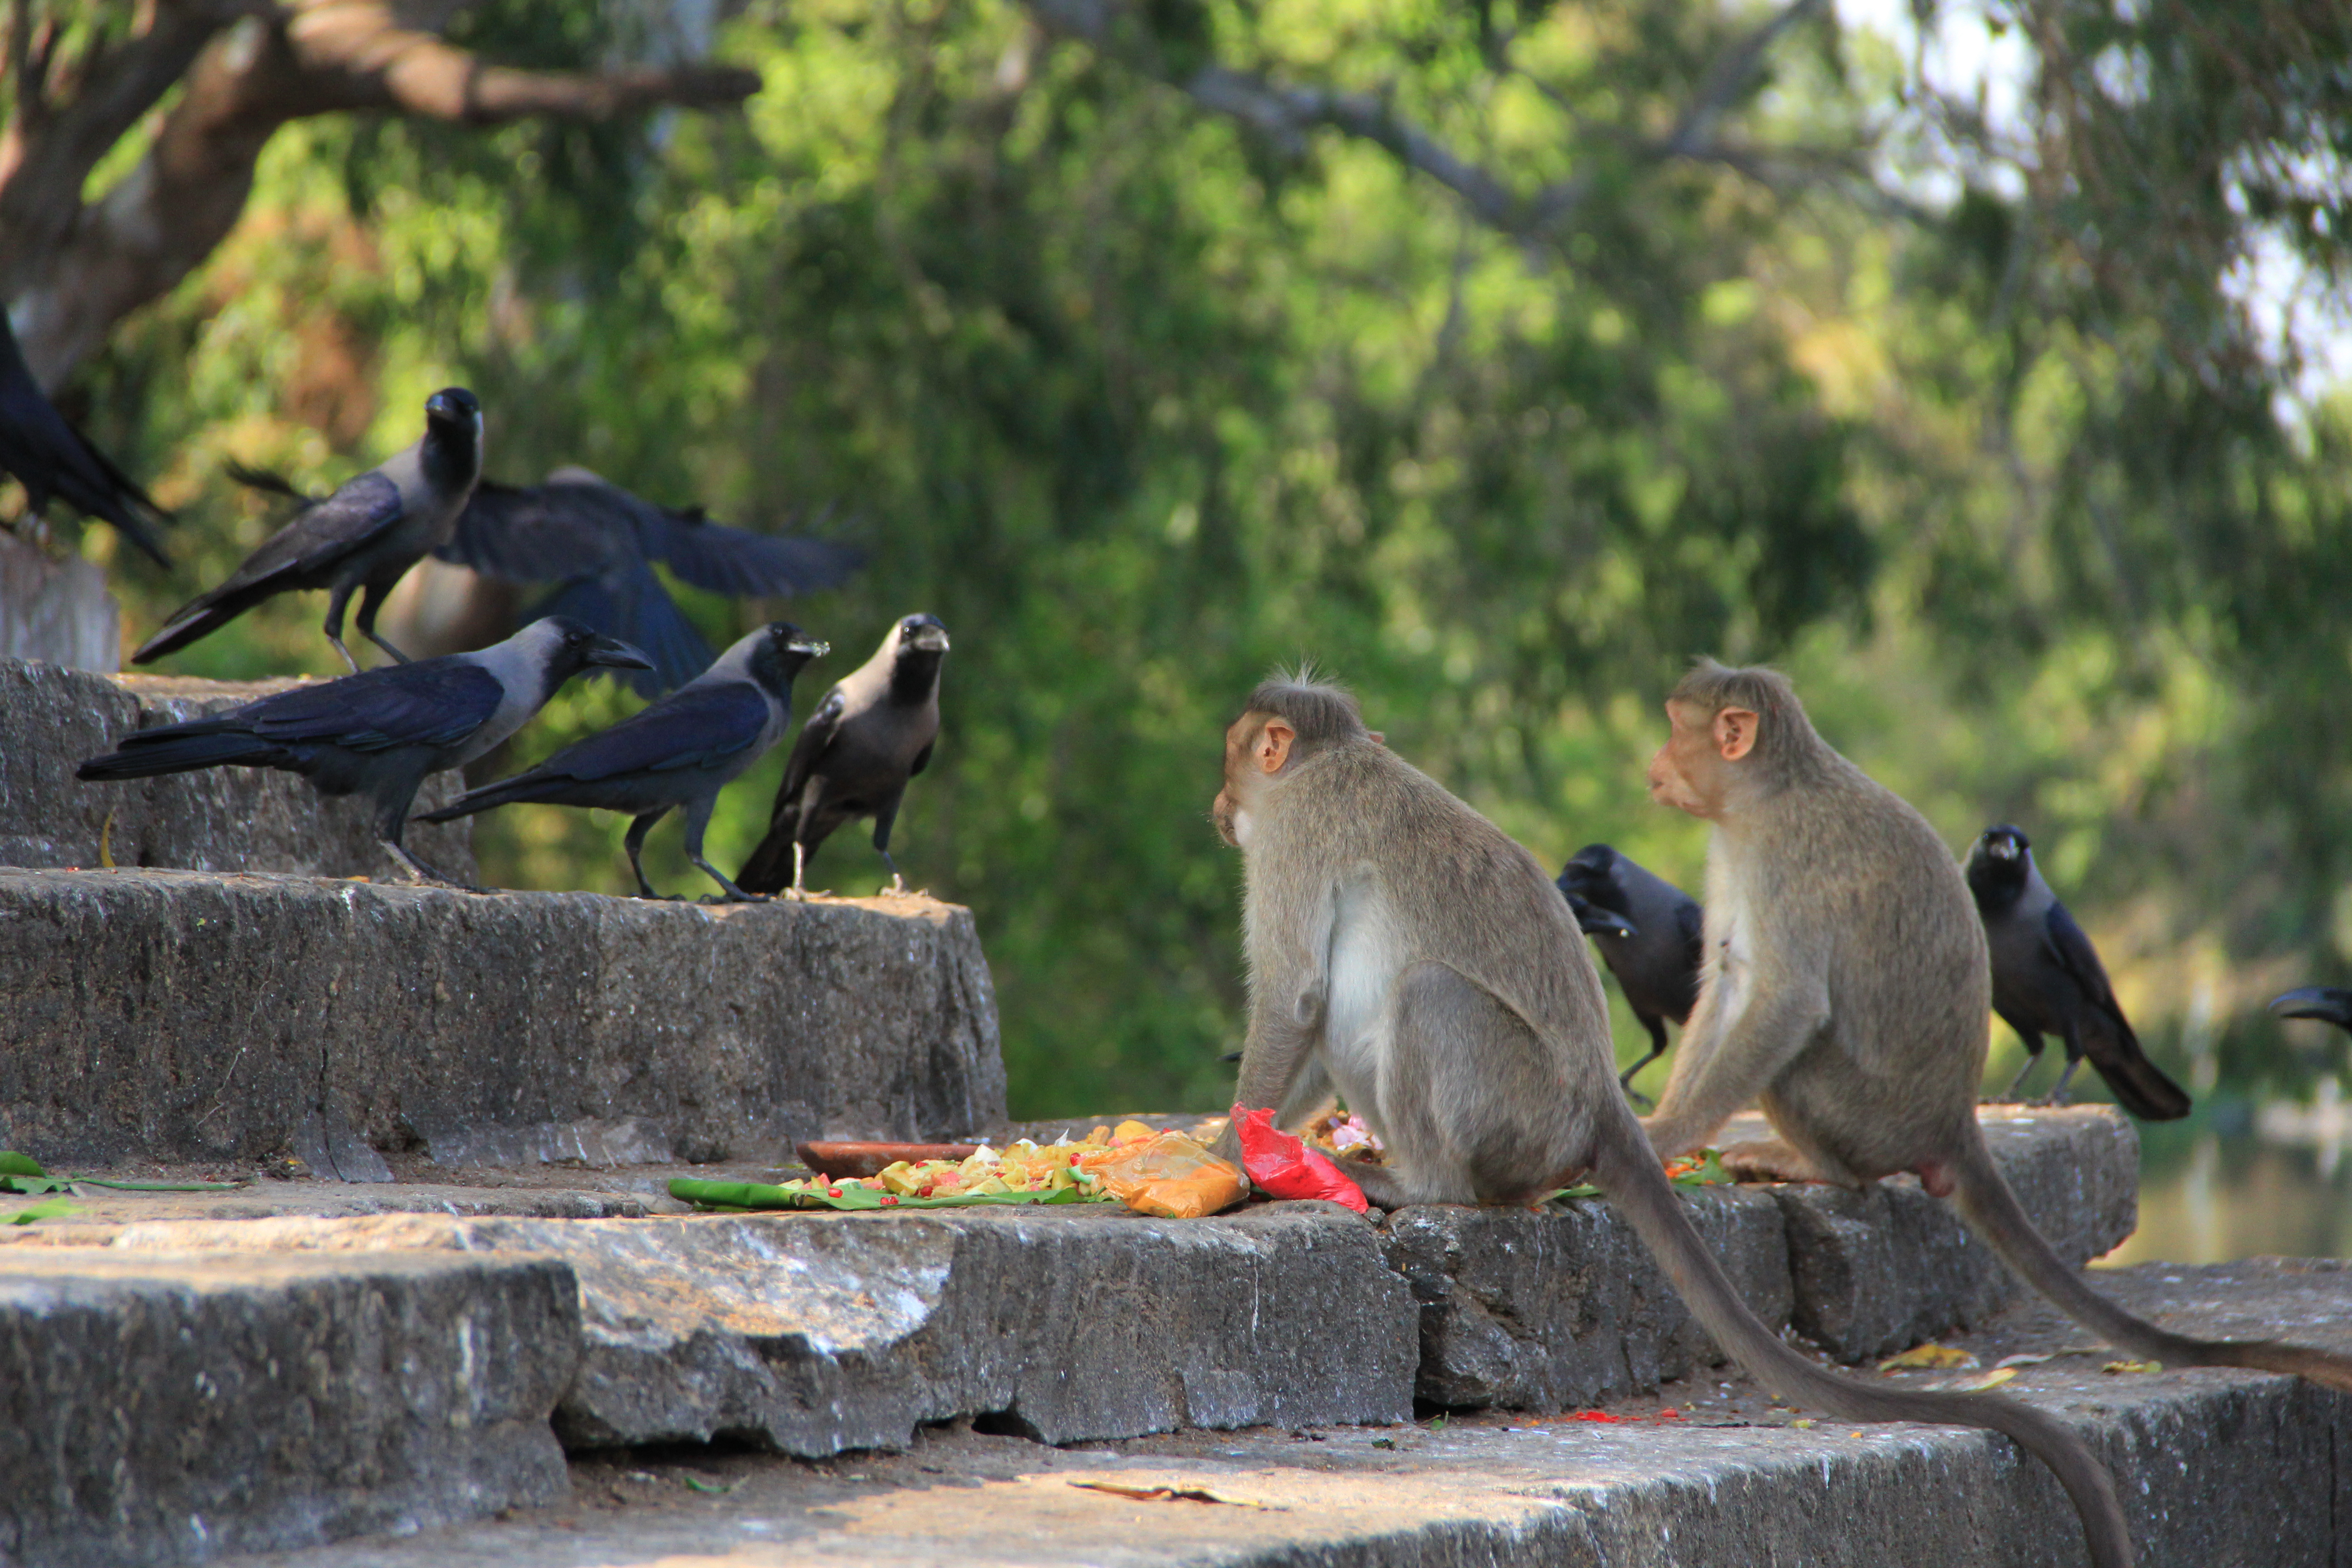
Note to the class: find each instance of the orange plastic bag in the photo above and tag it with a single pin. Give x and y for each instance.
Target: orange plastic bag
(1173, 1176)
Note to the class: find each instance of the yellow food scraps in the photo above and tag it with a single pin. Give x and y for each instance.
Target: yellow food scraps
(2133, 1366)
(1929, 1357)
(1992, 1379)
(1170, 1174)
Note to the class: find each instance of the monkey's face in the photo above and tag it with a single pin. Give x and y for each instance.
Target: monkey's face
(1693, 770)
(1257, 748)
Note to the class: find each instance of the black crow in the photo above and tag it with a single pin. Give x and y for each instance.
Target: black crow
(1657, 959)
(50, 458)
(872, 733)
(383, 732)
(678, 754)
(2325, 1002)
(2048, 980)
(363, 537)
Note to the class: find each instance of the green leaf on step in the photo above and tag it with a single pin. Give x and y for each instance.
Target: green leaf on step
(15, 1164)
(158, 1186)
(743, 1197)
(50, 1210)
(713, 1487)
(32, 1185)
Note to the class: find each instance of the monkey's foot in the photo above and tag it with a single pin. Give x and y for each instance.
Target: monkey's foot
(1768, 1160)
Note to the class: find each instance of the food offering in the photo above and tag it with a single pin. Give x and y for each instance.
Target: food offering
(1109, 1165)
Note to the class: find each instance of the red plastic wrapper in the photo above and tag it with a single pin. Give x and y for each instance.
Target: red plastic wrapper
(1283, 1164)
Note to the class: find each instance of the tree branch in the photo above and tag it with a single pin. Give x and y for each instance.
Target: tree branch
(278, 64)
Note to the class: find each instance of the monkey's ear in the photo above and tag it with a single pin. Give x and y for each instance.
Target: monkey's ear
(1274, 745)
(1378, 739)
(1735, 732)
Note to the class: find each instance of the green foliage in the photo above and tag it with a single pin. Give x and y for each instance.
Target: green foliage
(1141, 405)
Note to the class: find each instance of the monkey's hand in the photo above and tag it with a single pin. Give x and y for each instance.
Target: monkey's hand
(1769, 1160)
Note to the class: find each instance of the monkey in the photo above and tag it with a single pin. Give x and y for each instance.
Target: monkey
(1847, 991)
(1403, 950)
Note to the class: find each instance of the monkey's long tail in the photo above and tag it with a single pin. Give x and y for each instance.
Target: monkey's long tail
(1632, 1179)
(1993, 1212)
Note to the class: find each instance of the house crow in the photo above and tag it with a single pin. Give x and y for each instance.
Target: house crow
(2327, 1001)
(872, 733)
(2047, 980)
(50, 458)
(1657, 959)
(383, 732)
(678, 754)
(359, 540)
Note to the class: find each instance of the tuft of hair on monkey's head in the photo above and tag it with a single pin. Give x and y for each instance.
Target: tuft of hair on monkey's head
(1785, 737)
(1321, 712)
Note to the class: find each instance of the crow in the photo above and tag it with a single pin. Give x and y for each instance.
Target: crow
(381, 733)
(1656, 958)
(2047, 979)
(363, 537)
(50, 458)
(872, 733)
(678, 754)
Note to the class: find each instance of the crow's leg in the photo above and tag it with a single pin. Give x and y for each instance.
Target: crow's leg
(370, 602)
(883, 820)
(2033, 1060)
(798, 892)
(335, 602)
(2057, 1095)
(635, 844)
(1657, 1027)
(698, 817)
(391, 830)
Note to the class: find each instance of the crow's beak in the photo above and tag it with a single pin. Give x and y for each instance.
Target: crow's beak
(2002, 848)
(810, 647)
(617, 654)
(2323, 1002)
(933, 639)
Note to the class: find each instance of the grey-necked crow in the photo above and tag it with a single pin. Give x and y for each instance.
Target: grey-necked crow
(1657, 962)
(50, 458)
(382, 732)
(2047, 980)
(872, 733)
(678, 754)
(363, 537)
(2325, 1002)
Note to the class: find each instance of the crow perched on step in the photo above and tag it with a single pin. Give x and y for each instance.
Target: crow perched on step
(381, 733)
(50, 458)
(2047, 979)
(676, 754)
(1656, 960)
(361, 538)
(872, 733)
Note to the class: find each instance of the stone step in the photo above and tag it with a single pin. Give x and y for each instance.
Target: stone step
(223, 819)
(2213, 1468)
(164, 1408)
(179, 1015)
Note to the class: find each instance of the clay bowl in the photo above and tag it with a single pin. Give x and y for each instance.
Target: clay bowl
(844, 1160)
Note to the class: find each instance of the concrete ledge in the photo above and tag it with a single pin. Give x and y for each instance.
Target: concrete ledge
(814, 1333)
(2213, 1467)
(162, 1409)
(1561, 1311)
(225, 819)
(171, 1016)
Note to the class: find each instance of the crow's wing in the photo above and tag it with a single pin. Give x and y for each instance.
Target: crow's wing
(360, 509)
(540, 533)
(629, 603)
(698, 727)
(51, 457)
(814, 737)
(740, 564)
(434, 702)
(2073, 953)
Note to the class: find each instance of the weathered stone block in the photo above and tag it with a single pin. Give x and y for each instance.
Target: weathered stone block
(1564, 1309)
(56, 610)
(1877, 1271)
(162, 1409)
(814, 1333)
(223, 819)
(176, 1015)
